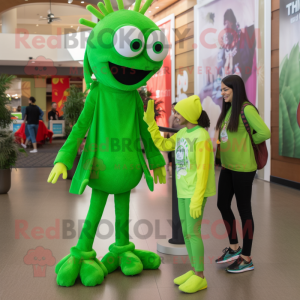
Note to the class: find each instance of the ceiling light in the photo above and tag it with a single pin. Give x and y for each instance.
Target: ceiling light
(82, 1)
(71, 25)
(37, 24)
(70, 1)
(157, 7)
(149, 11)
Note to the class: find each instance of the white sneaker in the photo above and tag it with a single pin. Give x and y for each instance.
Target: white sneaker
(24, 146)
(33, 151)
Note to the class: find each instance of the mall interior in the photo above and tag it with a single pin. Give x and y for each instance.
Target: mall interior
(79, 219)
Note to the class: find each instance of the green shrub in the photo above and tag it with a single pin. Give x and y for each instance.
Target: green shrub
(9, 149)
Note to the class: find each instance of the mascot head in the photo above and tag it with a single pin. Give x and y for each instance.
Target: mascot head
(125, 49)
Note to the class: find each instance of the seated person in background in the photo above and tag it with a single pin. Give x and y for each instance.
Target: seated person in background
(53, 113)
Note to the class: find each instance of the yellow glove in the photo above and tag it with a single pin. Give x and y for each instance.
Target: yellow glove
(149, 115)
(58, 169)
(161, 173)
(195, 209)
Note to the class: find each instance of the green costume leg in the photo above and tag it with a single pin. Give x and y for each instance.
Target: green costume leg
(82, 261)
(191, 229)
(131, 261)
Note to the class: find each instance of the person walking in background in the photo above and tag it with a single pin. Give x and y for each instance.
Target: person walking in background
(32, 115)
(195, 179)
(238, 169)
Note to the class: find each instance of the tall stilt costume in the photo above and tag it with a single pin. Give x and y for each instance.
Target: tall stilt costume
(124, 50)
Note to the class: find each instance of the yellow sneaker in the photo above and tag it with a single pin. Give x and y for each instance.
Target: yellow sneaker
(193, 285)
(183, 278)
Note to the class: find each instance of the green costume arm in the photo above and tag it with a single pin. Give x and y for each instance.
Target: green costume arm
(68, 151)
(256, 122)
(155, 158)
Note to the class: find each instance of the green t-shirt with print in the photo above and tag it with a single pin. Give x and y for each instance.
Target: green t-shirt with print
(186, 166)
(235, 147)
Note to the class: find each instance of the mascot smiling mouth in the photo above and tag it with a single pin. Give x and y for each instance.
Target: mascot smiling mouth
(127, 76)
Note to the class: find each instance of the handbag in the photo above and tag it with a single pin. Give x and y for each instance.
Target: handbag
(260, 150)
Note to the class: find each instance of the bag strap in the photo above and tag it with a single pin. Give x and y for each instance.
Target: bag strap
(246, 124)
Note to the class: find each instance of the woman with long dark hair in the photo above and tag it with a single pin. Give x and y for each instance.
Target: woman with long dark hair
(238, 169)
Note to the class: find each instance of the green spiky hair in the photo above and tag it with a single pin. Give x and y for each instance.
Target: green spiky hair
(108, 9)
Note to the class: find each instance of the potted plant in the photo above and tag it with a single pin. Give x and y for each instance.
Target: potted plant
(9, 149)
(72, 110)
(146, 96)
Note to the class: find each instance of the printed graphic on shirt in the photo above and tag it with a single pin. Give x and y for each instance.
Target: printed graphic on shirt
(182, 158)
(224, 136)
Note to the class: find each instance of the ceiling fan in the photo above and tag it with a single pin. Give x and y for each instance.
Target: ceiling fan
(50, 17)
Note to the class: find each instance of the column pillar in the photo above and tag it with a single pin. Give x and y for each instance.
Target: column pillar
(9, 21)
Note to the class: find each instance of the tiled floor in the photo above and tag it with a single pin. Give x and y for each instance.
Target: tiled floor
(44, 158)
(34, 204)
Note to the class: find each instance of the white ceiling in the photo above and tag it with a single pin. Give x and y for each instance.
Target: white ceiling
(69, 14)
(31, 11)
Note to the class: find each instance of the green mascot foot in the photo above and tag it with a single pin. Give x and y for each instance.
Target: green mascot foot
(130, 264)
(131, 261)
(83, 264)
(150, 260)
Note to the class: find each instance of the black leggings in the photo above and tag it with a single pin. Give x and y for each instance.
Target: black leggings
(238, 184)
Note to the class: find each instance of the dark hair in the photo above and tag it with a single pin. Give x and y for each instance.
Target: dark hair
(204, 121)
(53, 103)
(174, 103)
(237, 85)
(32, 99)
(229, 16)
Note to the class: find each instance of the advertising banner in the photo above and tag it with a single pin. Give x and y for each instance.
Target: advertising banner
(225, 43)
(161, 85)
(289, 79)
(59, 91)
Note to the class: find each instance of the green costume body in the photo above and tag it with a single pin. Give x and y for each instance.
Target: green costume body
(112, 161)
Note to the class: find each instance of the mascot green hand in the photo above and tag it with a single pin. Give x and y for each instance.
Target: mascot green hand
(124, 50)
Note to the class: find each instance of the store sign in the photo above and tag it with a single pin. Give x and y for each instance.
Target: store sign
(289, 74)
(57, 127)
(16, 127)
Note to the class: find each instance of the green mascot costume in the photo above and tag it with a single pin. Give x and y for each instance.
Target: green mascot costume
(124, 50)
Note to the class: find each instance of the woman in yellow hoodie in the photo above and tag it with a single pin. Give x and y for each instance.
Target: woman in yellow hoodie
(195, 179)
